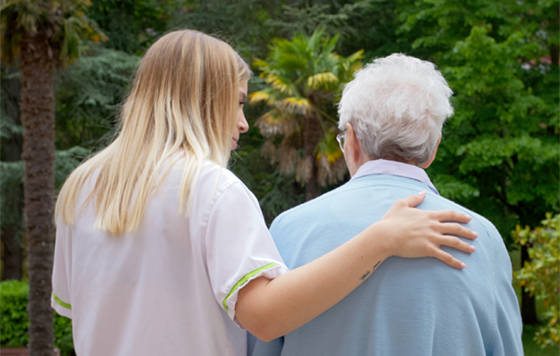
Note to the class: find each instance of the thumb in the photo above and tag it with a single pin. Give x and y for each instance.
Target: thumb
(415, 199)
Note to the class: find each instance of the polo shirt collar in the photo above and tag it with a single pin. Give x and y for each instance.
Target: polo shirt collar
(383, 166)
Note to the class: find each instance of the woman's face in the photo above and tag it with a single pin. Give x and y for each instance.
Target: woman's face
(241, 124)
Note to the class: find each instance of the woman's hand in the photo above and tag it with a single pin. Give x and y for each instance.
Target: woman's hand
(418, 233)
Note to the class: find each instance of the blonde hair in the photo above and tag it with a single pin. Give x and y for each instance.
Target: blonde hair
(184, 100)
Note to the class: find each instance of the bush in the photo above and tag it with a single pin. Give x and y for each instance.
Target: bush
(13, 304)
(14, 322)
(541, 275)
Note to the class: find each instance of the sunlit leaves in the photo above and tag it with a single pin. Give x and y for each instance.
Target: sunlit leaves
(541, 276)
(303, 77)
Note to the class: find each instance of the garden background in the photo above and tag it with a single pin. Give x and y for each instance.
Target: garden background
(499, 154)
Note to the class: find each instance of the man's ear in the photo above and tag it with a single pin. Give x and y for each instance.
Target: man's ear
(433, 156)
(353, 148)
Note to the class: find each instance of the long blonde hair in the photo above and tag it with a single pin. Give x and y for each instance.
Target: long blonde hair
(184, 99)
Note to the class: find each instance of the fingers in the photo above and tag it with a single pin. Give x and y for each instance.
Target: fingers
(457, 243)
(457, 229)
(414, 200)
(451, 215)
(447, 258)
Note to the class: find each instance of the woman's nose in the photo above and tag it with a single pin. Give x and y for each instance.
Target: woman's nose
(242, 125)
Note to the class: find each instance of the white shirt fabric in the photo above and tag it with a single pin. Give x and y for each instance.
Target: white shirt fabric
(170, 287)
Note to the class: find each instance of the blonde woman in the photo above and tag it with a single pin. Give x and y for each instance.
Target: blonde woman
(160, 250)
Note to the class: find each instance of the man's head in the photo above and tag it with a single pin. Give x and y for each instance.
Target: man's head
(394, 109)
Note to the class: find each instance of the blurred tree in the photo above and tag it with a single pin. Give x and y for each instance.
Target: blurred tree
(541, 275)
(42, 34)
(500, 151)
(88, 96)
(240, 23)
(133, 25)
(303, 76)
(334, 17)
(11, 179)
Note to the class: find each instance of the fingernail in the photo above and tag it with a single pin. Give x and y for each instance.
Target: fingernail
(463, 265)
(422, 193)
(473, 248)
(475, 234)
(468, 217)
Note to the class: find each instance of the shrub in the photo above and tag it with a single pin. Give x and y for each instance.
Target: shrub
(541, 275)
(13, 304)
(14, 322)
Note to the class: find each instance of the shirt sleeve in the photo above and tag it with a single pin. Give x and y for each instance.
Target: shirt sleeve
(61, 296)
(239, 247)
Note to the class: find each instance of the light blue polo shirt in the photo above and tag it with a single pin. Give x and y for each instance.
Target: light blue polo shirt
(407, 306)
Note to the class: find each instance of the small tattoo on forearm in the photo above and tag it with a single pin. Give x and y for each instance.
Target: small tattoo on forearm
(365, 275)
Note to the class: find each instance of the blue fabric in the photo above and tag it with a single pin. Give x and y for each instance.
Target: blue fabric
(407, 306)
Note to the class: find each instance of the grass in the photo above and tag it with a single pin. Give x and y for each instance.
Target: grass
(530, 346)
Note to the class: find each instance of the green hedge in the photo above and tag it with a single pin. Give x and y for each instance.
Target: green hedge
(14, 322)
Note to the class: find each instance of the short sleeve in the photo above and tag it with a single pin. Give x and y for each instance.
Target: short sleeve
(239, 247)
(61, 295)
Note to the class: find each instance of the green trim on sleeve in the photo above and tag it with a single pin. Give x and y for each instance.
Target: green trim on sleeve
(61, 303)
(244, 279)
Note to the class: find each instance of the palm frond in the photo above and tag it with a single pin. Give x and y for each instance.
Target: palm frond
(261, 95)
(295, 105)
(322, 80)
(281, 84)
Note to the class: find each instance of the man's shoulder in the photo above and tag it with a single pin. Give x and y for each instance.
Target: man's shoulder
(437, 202)
(310, 208)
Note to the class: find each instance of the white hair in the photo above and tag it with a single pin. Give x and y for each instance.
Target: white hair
(397, 106)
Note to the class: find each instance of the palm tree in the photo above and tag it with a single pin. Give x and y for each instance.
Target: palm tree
(42, 34)
(303, 78)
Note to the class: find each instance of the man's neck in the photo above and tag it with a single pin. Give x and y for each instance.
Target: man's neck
(364, 159)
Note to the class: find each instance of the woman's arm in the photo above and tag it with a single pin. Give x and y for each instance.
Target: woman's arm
(272, 308)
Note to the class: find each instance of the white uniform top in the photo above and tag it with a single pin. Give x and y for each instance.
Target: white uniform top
(170, 287)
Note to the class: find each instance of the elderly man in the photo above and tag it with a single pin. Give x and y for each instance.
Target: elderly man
(391, 117)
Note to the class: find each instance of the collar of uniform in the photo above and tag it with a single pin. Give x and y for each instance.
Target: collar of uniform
(383, 166)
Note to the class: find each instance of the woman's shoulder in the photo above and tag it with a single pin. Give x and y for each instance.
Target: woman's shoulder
(211, 175)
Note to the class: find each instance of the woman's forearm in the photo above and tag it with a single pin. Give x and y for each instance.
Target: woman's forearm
(272, 308)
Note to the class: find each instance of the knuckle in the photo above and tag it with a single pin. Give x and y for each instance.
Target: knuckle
(434, 225)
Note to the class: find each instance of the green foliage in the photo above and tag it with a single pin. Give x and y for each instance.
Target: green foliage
(12, 176)
(502, 143)
(132, 25)
(334, 19)
(88, 93)
(240, 23)
(541, 275)
(13, 310)
(14, 322)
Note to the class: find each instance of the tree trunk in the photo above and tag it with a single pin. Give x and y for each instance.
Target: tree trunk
(528, 307)
(311, 135)
(37, 116)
